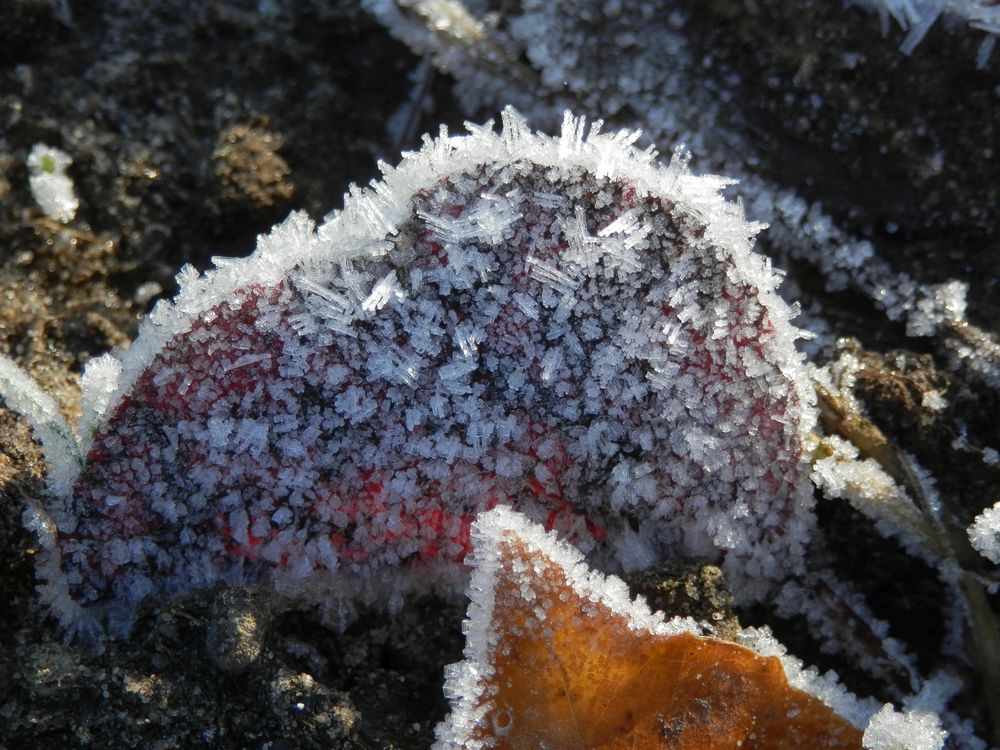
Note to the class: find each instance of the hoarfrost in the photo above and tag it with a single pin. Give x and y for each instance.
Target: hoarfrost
(870, 490)
(22, 394)
(651, 64)
(455, 338)
(51, 187)
(891, 730)
(985, 533)
(917, 17)
(515, 561)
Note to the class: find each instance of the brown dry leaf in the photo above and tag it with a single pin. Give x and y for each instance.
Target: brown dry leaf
(565, 668)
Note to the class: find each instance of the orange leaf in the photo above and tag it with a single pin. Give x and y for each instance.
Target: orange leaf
(560, 657)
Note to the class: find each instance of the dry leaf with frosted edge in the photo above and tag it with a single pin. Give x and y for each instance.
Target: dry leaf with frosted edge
(558, 656)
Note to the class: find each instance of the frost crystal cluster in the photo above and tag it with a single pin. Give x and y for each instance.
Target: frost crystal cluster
(985, 533)
(560, 325)
(51, 187)
(918, 16)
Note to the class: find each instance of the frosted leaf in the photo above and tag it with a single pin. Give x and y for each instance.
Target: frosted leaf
(546, 636)
(503, 319)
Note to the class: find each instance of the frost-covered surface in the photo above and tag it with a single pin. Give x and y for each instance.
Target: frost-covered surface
(558, 324)
(100, 114)
(648, 77)
(985, 533)
(816, 596)
(892, 730)
(23, 395)
(840, 472)
(50, 185)
(846, 262)
(918, 16)
(874, 487)
(512, 556)
(872, 491)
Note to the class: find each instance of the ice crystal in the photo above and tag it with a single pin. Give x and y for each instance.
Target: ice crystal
(558, 655)
(556, 324)
(891, 730)
(918, 16)
(985, 533)
(51, 187)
